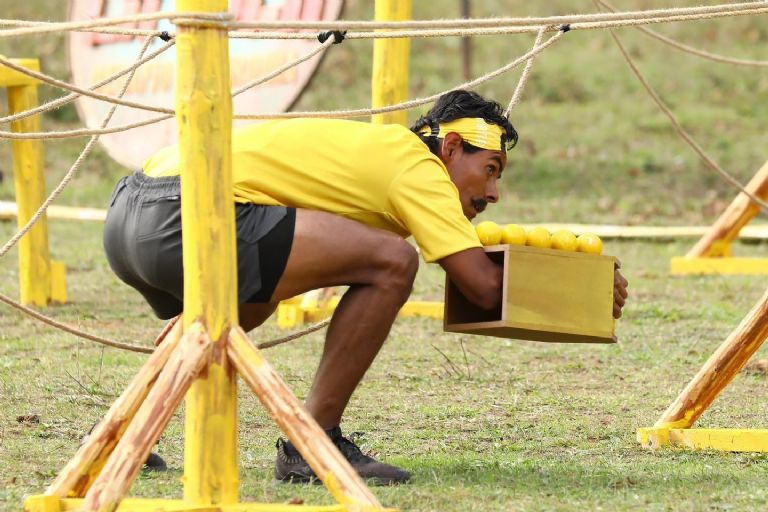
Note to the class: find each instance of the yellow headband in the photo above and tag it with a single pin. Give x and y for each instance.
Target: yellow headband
(474, 130)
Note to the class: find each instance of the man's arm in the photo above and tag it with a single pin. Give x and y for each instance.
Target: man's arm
(478, 278)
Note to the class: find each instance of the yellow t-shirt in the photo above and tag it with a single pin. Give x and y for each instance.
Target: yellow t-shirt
(380, 175)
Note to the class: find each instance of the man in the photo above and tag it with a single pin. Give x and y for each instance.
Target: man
(323, 202)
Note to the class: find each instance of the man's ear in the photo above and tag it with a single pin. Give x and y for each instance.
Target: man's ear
(450, 146)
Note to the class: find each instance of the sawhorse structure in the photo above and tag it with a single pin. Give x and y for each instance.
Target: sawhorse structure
(712, 253)
(41, 280)
(200, 356)
(674, 426)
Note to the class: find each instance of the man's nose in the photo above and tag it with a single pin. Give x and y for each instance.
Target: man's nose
(492, 192)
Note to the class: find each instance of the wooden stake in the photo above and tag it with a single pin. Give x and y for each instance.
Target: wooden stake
(720, 369)
(78, 475)
(313, 444)
(736, 216)
(389, 79)
(190, 357)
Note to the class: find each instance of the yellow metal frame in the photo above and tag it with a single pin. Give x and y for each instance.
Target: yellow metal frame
(40, 279)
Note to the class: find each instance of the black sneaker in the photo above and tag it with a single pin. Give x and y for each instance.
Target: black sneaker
(153, 463)
(291, 467)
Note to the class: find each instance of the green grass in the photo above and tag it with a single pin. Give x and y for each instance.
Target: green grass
(506, 424)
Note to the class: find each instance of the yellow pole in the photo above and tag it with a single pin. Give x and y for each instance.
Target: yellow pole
(204, 113)
(34, 258)
(389, 84)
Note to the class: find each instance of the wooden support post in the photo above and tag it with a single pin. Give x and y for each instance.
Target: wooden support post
(204, 113)
(190, 357)
(719, 370)
(389, 83)
(34, 259)
(78, 475)
(321, 455)
(726, 229)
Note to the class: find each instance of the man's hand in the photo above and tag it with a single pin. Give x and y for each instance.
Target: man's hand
(619, 291)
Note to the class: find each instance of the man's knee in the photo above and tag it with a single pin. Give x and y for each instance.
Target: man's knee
(398, 266)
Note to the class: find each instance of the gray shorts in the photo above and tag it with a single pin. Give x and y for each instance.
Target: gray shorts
(142, 240)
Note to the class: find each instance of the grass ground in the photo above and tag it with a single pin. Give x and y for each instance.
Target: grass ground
(505, 424)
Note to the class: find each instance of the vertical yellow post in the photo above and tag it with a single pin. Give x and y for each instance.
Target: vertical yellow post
(34, 259)
(204, 112)
(389, 83)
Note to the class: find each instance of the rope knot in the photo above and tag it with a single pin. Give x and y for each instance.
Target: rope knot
(164, 35)
(565, 28)
(338, 36)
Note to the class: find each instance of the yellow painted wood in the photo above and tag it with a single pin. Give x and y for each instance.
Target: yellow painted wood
(58, 282)
(548, 295)
(204, 113)
(8, 210)
(389, 80)
(149, 505)
(422, 308)
(12, 78)
(733, 266)
(34, 258)
(41, 503)
(720, 439)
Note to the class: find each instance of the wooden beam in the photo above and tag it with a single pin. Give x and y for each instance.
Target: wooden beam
(720, 439)
(719, 370)
(204, 114)
(389, 80)
(188, 359)
(314, 445)
(741, 210)
(78, 475)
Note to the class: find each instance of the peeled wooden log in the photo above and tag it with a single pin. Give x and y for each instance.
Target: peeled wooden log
(310, 440)
(190, 357)
(720, 369)
(77, 476)
(726, 228)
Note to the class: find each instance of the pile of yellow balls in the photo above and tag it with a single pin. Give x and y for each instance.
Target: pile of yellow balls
(491, 233)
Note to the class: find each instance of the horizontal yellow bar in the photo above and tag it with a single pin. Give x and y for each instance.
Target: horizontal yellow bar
(9, 210)
(160, 505)
(733, 266)
(721, 439)
(10, 77)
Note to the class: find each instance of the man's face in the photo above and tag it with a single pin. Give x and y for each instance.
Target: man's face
(474, 174)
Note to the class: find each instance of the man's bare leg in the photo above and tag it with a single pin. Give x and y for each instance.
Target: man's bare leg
(379, 267)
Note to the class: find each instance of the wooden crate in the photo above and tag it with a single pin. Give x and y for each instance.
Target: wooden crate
(548, 295)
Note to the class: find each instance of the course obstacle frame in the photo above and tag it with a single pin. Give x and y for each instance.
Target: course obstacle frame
(200, 356)
(712, 253)
(41, 280)
(674, 426)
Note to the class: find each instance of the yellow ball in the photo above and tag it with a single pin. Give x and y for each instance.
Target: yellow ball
(564, 240)
(539, 237)
(513, 234)
(589, 243)
(489, 232)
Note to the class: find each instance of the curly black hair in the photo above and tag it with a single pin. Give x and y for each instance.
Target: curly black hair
(459, 104)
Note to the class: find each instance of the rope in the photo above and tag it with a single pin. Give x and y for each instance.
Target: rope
(104, 30)
(105, 22)
(139, 348)
(679, 128)
(536, 50)
(523, 77)
(416, 102)
(495, 22)
(686, 14)
(70, 174)
(690, 49)
(125, 127)
(84, 92)
(54, 104)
